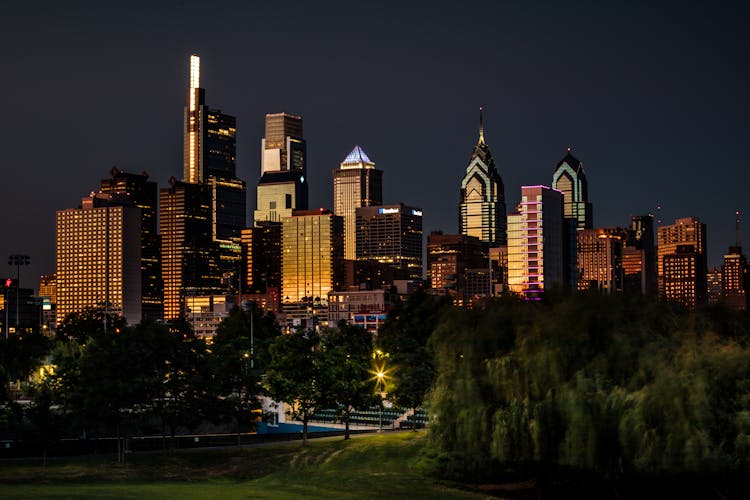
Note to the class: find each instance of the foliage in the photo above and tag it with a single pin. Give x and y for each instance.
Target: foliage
(347, 379)
(612, 385)
(92, 322)
(294, 374)
(404, 337)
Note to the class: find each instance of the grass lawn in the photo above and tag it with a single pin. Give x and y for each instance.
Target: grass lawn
(373, 466)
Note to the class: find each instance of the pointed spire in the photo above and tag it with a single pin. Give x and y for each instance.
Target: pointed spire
(481, 127)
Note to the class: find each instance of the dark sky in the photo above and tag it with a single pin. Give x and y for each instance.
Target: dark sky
(653, 100)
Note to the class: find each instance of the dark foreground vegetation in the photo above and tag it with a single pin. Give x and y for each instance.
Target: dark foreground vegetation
(592, 387)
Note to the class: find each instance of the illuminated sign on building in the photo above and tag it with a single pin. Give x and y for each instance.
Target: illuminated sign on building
(388, 210)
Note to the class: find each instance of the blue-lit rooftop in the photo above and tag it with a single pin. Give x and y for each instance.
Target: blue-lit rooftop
(357, 156)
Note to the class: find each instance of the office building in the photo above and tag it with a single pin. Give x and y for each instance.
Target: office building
(210, 158)
(639, 257)
(262, 255)
(209, 135)
(144, 194)
(364, 308)
(20, 311)
(283, 183)
(389, 237)
(599, 259)
(48, 287)
(713, 278)
(684, 231)
(570, 179)
(449, 256)
(734, 279)
(482, 196)
(357, 183)
(535, 242)
(189, 256)
(312, 262)
(684, 275)
(98, 258)
(206, 312)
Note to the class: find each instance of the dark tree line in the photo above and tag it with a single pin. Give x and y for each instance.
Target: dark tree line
(616, 386)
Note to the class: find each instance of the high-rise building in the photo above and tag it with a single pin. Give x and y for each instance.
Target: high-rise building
(48, 287)
(570, 179)
(357, 183)
(312, 262)
(98, 258)
(713, 279)
(189, 257)
(535, 242)
(449, 256)
(684, 274)
(143, 194)
(210, 158)
(481, 210)
(262, 250)
(639, 256)
(210, 143)
(684, 231)
(599, 259)
(283, 183)
(734, 279)
(389, 237)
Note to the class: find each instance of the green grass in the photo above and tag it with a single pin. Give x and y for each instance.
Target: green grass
(378, 466)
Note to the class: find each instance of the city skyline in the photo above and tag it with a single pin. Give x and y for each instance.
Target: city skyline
(662, 122)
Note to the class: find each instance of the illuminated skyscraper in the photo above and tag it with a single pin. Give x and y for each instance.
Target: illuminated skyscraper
(98, 258)
(262, 246)
(684, 276)
(684, 231)
(449, 256)
(535, 242)
(734, 279)
(639, 256)
(210, 144)
(312, 262)
(482, 197)
(143, 194)
(389, 237)
(599, 258)
(210, 158)
(356, 184)
(570, 179)
(283, 184)
(189, 257)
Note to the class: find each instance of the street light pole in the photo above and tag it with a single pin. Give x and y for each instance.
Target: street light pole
(18, 260)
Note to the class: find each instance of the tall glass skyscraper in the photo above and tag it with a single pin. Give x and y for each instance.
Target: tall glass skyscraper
(482, 198)
(210, 158)
(570, 178)
(283, 183)
(356, 184)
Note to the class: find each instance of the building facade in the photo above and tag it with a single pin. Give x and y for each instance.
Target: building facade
(449, 256)
(481, 211)
(283, 183)
(599, 259)
(390, 236)
(734, 279)
(189, 256)
(535, 242)
(98, 259)
(364, 308)
(357, 183)
(312, 257)
(684, 274)
(143, 194)
(684, 231)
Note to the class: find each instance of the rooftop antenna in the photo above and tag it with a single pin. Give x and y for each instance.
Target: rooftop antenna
(481, 126)
(658, 214)
(737, 238)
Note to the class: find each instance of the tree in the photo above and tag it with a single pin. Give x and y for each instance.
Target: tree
(238, 356)
(294, 374)
(346, 364)
(404, 337)
(92, 322)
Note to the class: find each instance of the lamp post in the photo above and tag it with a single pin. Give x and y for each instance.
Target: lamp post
(18, 260)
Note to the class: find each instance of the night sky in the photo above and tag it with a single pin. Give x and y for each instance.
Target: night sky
(653, 100)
